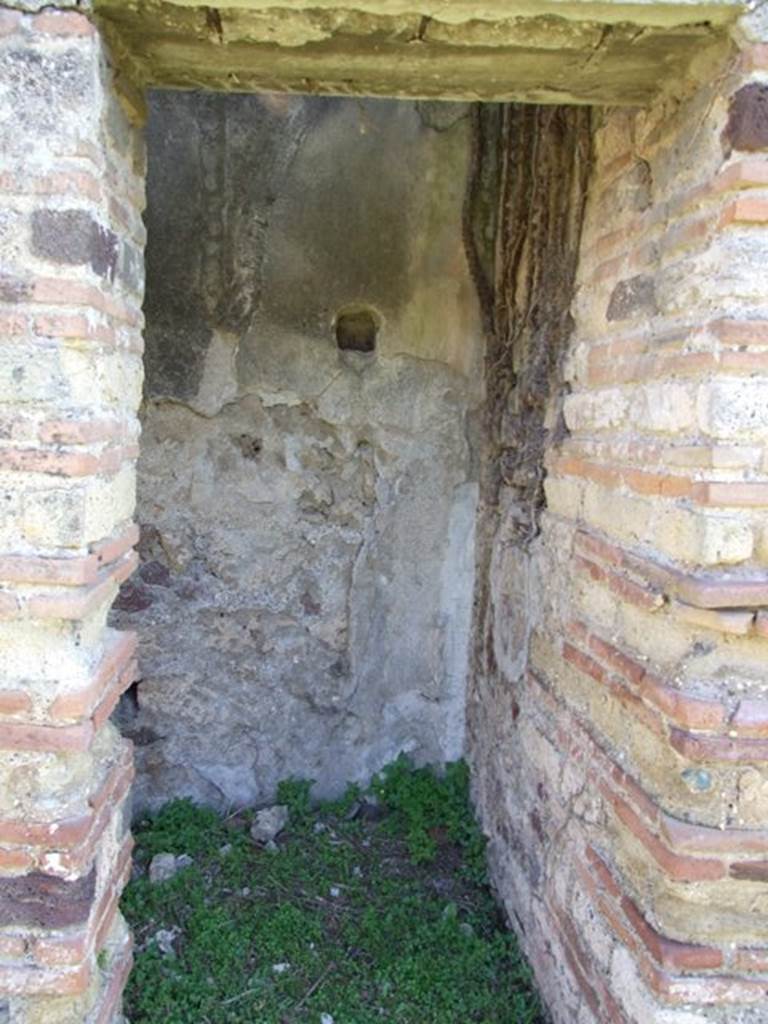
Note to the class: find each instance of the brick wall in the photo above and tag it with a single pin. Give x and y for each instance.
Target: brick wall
(71, 279)
(621, 747)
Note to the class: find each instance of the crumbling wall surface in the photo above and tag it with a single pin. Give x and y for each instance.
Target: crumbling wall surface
(618, 718)
(71, 280)
(307, 514)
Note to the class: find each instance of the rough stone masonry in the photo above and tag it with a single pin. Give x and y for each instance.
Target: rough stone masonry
(617, 714)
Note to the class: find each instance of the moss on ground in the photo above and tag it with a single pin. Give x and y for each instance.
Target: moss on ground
(371, 910)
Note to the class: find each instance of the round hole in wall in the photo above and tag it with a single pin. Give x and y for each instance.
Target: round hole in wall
(356, 329)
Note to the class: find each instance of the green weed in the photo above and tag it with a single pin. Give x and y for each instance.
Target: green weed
(369, 921)
(425, 805)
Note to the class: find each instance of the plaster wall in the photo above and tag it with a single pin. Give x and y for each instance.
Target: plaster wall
(307, 514)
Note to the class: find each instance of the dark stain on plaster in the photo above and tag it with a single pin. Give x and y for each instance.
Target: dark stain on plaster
(213, 23)
(177, 335)
(522, 230)
(345, 216)
(255, 222)
(531, 207)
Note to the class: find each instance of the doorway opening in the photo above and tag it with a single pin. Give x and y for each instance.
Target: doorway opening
(308, 481)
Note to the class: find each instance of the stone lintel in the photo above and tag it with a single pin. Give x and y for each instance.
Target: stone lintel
(545, 52)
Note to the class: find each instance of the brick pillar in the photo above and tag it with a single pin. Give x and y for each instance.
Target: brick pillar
(647, 709)
(620, 731)
(71, 279)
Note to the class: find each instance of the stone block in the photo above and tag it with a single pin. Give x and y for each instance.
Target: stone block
(109, 502)
(734, 409)
(632, 297)
(666, 408)
(55, 517)
(605, 409)
(747, 126)
(44, 901)
(74, 237)
(702, 538)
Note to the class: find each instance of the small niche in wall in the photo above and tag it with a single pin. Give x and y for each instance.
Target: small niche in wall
(356, 329)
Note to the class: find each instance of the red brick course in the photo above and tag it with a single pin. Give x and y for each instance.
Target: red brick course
(636, 327)
(75, 603)
(583, 969)
(699, 729)
(688, 854)
(668, 953)
(67, 464)
(68, 860)
(684, 837)
(669, 967)
(731, 493)
(73, 947)
(68, 571)
(37, 981)
(701, 589)
(14, 702)
(116, 662)
(679, 867)
(676, 705)
(90, 708)
(749, 210)
(615, 476)
(62, 23)
(718, 748)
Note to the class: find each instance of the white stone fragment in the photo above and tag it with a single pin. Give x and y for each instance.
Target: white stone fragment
(162, 867)
(269, 823)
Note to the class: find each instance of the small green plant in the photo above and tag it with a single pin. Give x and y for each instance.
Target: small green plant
(427, 806)
(346, 804)
(179, 827)
(296, 794)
